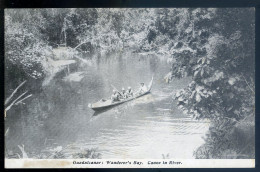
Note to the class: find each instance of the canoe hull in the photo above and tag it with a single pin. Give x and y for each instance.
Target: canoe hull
(101, 108)
(107, 104)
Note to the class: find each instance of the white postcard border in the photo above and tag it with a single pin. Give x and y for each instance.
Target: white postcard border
(129, 163)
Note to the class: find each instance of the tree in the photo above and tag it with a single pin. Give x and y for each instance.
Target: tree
(223, 86)
(24, 44)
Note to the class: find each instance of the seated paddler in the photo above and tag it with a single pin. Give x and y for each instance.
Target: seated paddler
(142, 88)
(115, 96)
(123, 94)
(130, 92)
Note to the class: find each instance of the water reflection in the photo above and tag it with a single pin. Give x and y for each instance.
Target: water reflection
(146, 127)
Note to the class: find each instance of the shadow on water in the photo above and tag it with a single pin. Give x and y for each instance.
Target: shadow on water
(96, 113)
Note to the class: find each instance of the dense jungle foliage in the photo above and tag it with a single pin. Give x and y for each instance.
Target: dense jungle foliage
(214, 46)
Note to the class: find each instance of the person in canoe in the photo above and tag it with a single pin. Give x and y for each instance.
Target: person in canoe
(129, 92)
(123, 94)
(142, 89)
(115, 96)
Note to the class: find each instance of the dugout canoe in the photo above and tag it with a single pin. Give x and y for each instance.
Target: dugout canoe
(104, 104)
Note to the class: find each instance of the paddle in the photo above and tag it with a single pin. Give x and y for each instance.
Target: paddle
(116, 89)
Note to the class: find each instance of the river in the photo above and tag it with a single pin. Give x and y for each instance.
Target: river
(148, 127)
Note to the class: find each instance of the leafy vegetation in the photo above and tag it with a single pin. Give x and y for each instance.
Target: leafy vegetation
(55, 153)
(222, 89)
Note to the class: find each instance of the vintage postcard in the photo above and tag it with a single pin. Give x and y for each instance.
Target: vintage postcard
(130, 88)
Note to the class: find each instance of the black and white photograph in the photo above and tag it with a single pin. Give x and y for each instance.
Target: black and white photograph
(119, 84)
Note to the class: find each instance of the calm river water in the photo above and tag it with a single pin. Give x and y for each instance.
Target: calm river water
(148, 127)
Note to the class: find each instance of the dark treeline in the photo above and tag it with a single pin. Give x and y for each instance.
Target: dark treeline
(221, 63)
(214, 46)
